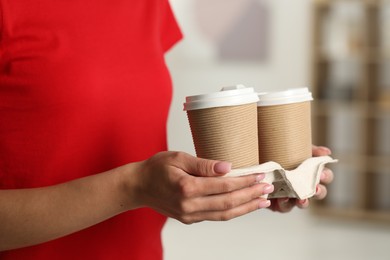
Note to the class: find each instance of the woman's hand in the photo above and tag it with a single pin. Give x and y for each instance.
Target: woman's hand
(287, 204)
(176, 184)
(191, 189)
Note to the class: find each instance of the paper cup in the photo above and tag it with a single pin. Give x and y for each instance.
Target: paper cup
(284, 127)
(224, 125)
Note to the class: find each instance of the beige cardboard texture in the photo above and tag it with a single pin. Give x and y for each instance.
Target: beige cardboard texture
(298, 183)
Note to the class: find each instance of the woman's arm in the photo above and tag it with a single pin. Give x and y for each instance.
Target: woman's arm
(32, 216)
(176, 184)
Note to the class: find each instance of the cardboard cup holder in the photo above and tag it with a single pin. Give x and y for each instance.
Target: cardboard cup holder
(299, 183)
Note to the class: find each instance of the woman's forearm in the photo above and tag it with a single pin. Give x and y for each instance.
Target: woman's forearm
(33, 216)
(176, 184)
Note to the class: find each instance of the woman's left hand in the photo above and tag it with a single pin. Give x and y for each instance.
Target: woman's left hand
(287, 204)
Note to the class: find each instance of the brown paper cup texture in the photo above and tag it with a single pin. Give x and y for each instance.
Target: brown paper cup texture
(246, 128)
(224, 125)
(284, 121)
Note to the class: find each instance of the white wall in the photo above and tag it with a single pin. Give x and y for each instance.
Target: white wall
(269, 235)
(262, 234)
(195, 69)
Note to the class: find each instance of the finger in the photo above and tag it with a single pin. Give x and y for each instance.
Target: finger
(229, 214)
(302, 204)
(229, 200)
(321, 192)
(327, 176)
(320, 151)
(219, 185)
(284, 205)
(202, 167)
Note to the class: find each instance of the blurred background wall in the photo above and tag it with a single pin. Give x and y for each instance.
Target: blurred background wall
(197, 68)
(271, 45)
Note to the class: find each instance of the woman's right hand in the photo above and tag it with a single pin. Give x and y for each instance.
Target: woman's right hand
(191, 189)
(176, 184)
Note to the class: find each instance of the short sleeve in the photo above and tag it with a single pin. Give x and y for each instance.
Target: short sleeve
(170, 30)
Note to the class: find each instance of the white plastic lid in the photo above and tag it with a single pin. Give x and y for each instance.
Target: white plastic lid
(289, 96)
(228, 96)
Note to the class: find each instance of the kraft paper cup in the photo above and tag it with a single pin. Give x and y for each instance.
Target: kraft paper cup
(284, 127)
(224, 125)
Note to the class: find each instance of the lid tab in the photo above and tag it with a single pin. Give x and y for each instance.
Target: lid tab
(228, 96)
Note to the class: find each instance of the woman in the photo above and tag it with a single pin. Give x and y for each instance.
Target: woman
(84, 99)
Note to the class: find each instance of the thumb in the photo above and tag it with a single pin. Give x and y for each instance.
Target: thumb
(320, 150)
(207, 168)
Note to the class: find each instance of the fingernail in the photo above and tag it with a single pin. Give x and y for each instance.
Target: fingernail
(302, 201)
(222, 167)
(264, 203)
(268, 189)
(285, 200)
(317, 190)
(260, 177)
(326, 149)
(323, 175)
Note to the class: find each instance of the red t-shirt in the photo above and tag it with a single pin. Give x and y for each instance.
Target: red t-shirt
(84, 88)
